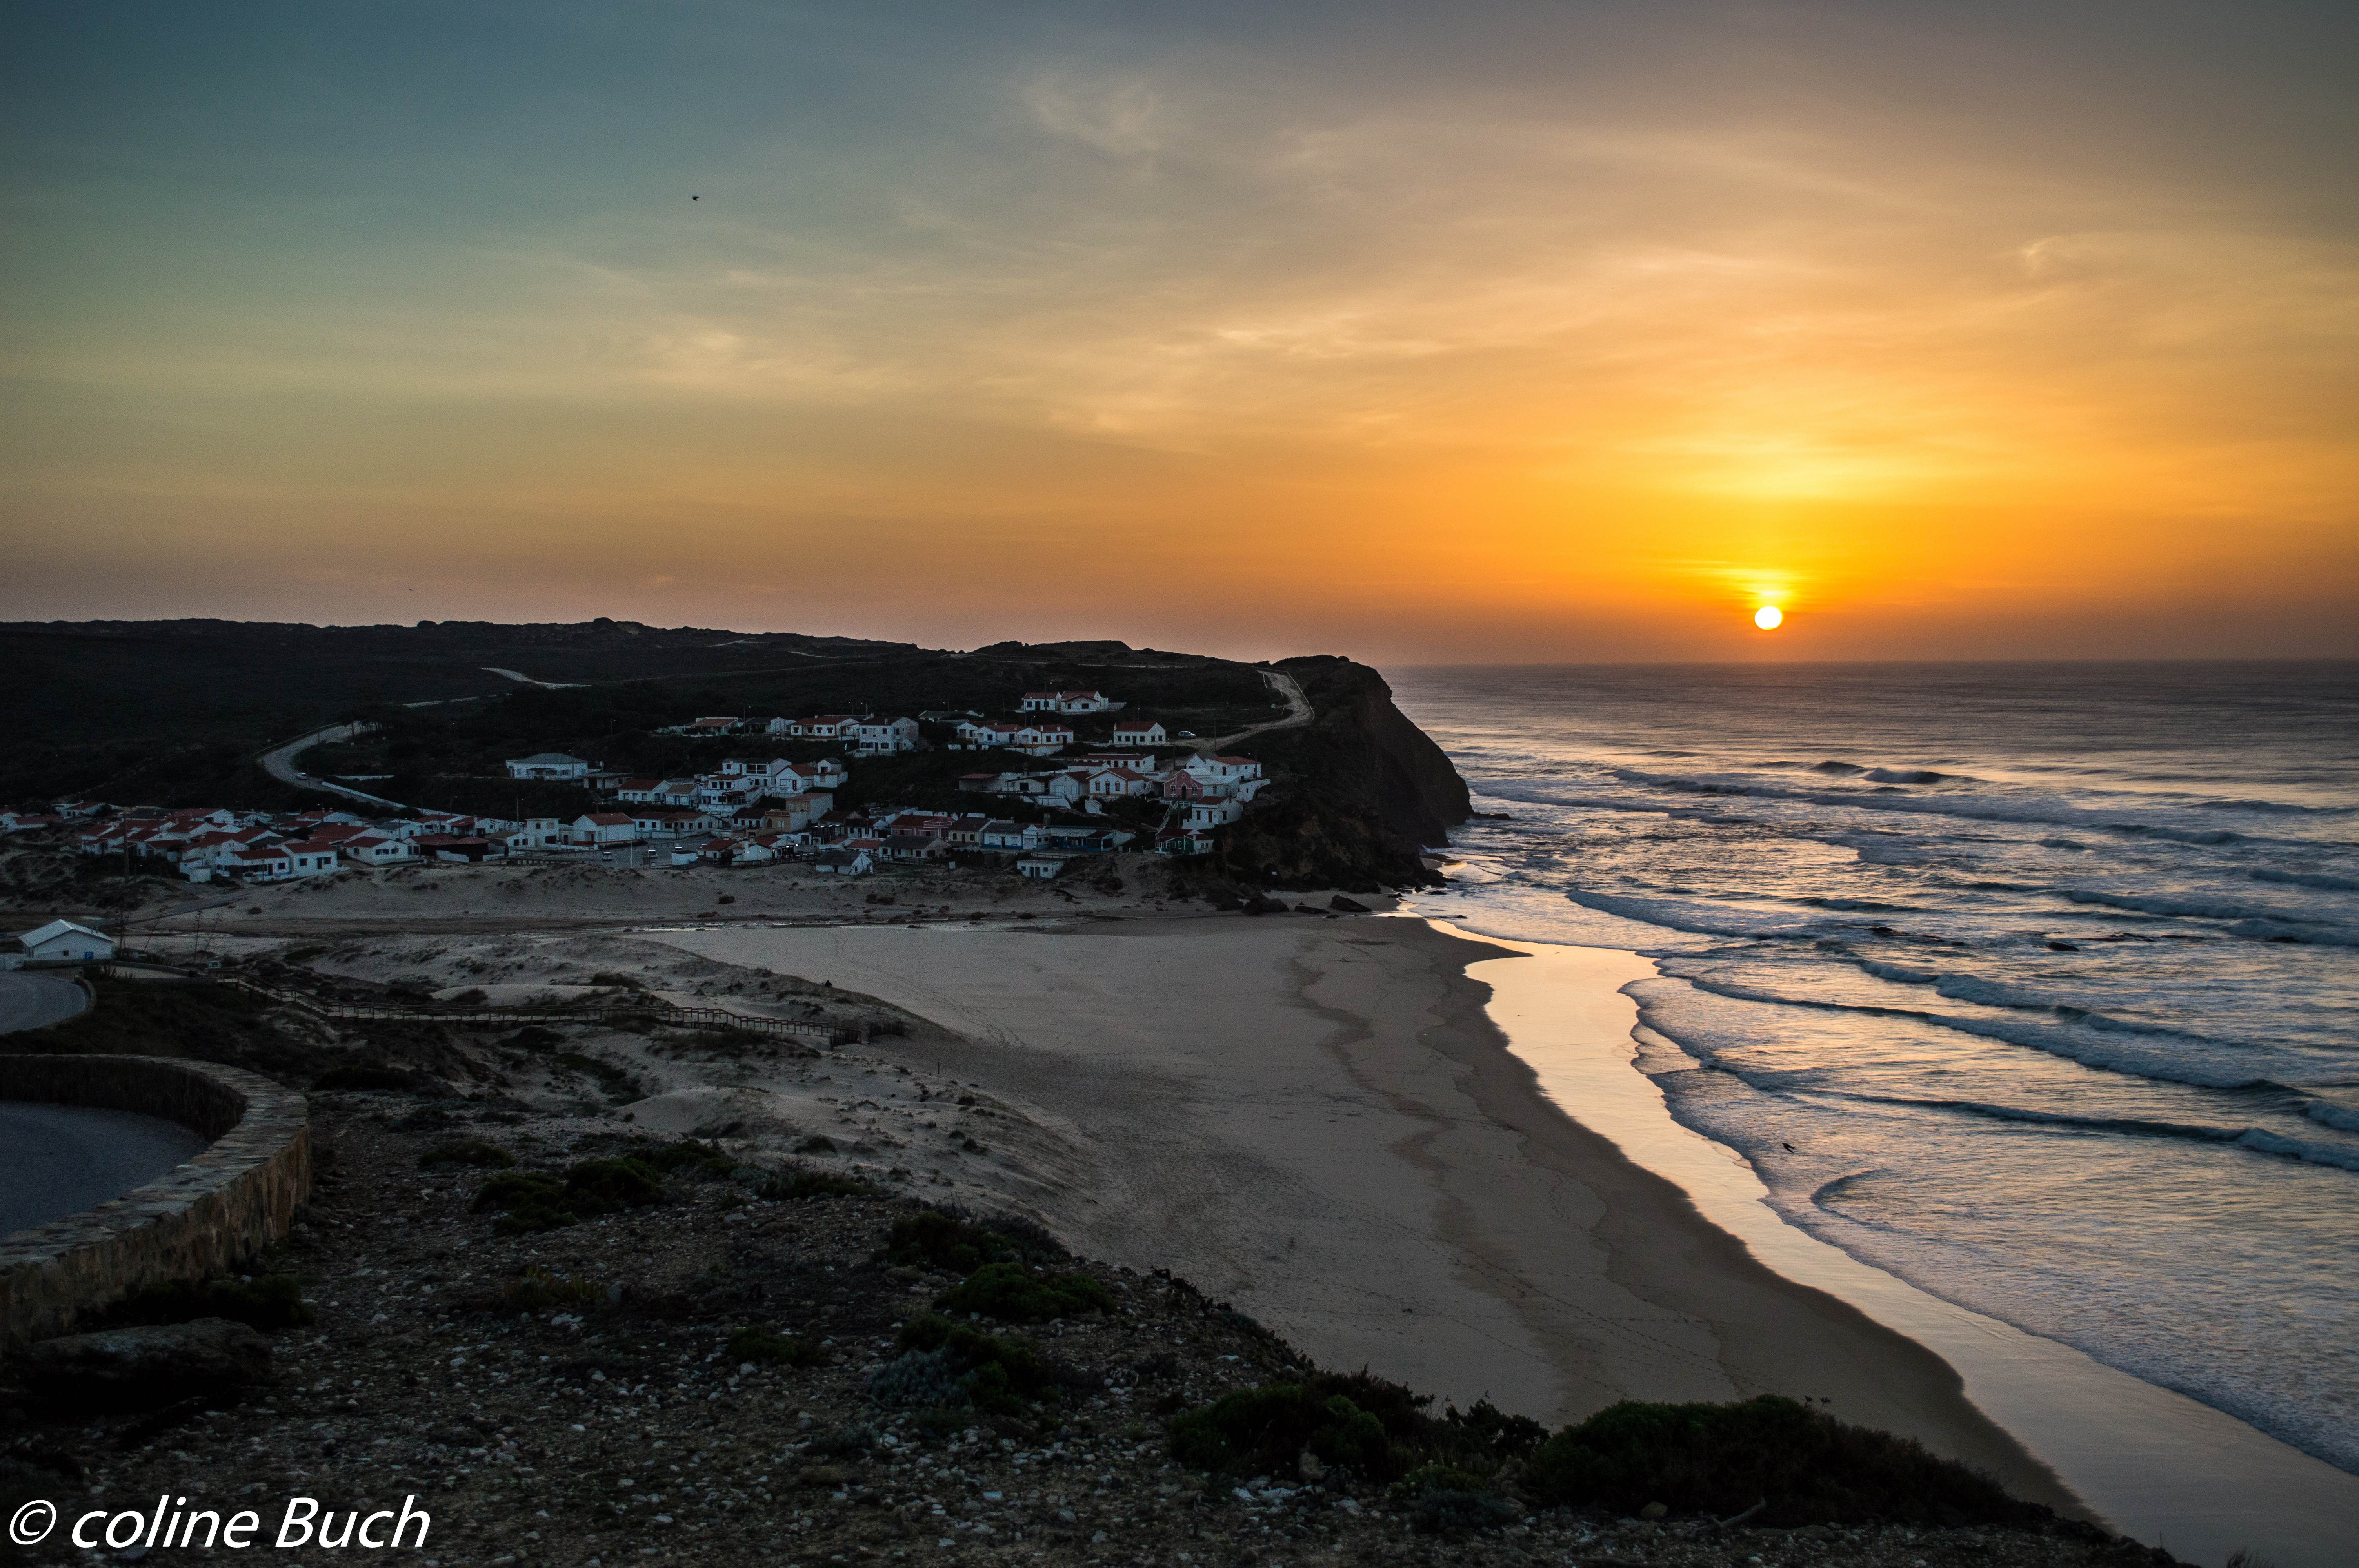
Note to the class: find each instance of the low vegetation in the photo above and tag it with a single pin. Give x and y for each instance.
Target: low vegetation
(1011, 1293)
(260, 1300)
(1801, 1465)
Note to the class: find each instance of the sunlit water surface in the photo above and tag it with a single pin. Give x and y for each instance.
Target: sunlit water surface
(2036, 985)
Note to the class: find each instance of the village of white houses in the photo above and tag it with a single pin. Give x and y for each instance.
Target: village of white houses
(1095, 783)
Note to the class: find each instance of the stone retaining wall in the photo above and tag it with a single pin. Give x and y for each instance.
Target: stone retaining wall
(206, 1215)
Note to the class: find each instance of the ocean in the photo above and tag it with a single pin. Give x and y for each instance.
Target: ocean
(2035, 985)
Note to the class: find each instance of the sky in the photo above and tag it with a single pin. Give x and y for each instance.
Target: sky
(1422, 333)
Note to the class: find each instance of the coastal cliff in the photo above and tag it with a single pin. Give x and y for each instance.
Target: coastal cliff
(1357, 794)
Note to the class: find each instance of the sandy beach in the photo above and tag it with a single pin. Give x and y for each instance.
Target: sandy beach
(1403, 1147)
(1316, 1119)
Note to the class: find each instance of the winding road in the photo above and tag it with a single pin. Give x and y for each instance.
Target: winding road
(279, 763)
(1297, 713)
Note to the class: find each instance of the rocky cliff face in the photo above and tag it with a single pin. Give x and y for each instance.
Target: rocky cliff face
(1358, 792)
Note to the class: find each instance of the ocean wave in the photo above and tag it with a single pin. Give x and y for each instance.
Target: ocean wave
(1702, 919)
(2299, 1149)
(2326, 1113)
(2319, 880)
(2094, 1041)
(2202, 836)
(2177, 907)
(1964, 803)
(2305, 933)
(2259, 1141)
(1904, 775)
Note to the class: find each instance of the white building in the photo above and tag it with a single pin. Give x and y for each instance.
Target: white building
(1040, 865)
(1213, 811)
(62, 941)
(602, 828)
(1041, 739)
(987, 732)
(1006, 835)
(1119, 783)
(1069, 702)
(549, 765)
(378, 849)
(1140, 732)
(879, 737)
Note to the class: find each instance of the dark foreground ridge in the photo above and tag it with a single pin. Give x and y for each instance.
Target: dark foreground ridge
(568, 1345)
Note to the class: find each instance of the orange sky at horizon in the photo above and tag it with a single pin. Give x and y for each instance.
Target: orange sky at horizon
(1577, 338)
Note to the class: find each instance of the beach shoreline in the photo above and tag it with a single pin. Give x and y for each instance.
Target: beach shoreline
(1323, 1123)
(2146, 1461)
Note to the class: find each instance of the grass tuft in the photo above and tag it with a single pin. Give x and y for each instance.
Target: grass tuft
(1013, 1294)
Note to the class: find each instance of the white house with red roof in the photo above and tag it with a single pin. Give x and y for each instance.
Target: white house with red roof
(1141, 732)
(1119, 783)
(604, 827)
(1041, 739)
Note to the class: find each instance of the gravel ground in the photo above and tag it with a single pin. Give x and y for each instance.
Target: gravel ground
(611, 1425)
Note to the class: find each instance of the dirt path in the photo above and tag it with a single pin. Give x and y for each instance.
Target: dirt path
(1297, 713)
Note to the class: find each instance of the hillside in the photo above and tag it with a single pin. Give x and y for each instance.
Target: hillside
(174, 713)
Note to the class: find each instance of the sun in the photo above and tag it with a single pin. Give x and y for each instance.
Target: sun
(1768, 617)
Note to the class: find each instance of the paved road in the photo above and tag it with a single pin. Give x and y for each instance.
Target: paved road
(1297, 713)
(520, 675)
(35, 998)
(279, 763)
(56, 1160)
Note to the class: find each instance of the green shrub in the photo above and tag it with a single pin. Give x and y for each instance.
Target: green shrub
(1808, 1468)
(919, 1379)
(538, 1290)
(532, 1217)
(608, 1186)
(265, 1301)
(767, 1349)
(467, 1152)
(529, 1201)
(997, 1372)
(1439, 1477)
(944, 1242)
(687, 1154)
(1446, 1500)
(1266, 1427)
(1013, 1294)
(1491, 1429)
(805, 1183)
